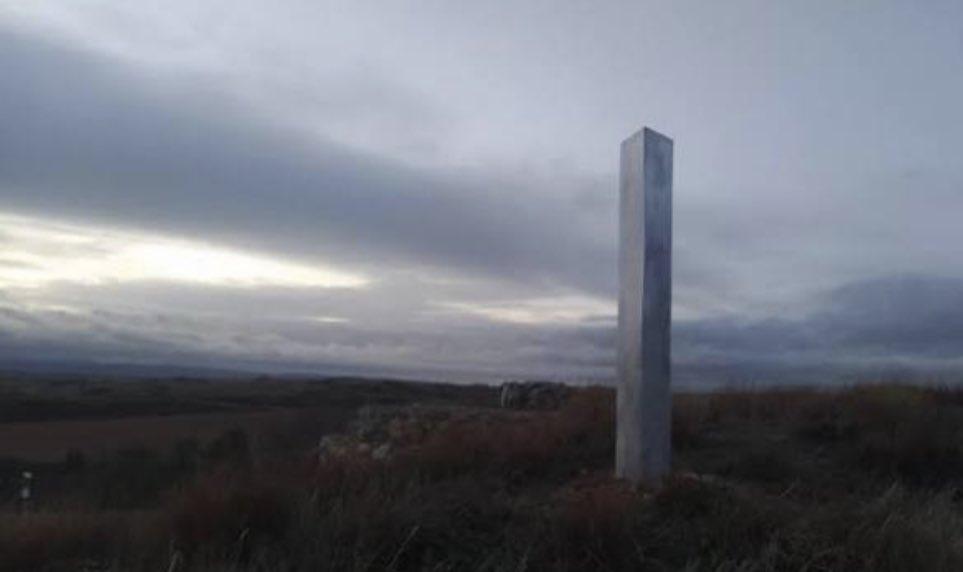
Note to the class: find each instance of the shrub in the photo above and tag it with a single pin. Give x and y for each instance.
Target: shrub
(41, 541)
(223, 514)
(496, 491)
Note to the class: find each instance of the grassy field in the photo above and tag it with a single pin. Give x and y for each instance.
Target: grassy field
(43, 421)
(50, 441)
(862, 479)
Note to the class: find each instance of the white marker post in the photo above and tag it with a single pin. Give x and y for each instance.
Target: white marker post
(26, 491)
(643, 449)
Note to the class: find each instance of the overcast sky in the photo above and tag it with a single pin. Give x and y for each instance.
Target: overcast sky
(429, 188)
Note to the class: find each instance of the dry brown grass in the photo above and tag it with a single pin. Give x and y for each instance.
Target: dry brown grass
(49, 441)
(782, 481)
(69, 539)
(520, 445)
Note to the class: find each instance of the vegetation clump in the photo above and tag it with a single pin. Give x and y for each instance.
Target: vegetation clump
(862, 479)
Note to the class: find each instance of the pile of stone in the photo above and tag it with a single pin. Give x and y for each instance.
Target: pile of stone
(538, 395)
(381, 431)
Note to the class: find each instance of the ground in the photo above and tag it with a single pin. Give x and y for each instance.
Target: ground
(359, 475)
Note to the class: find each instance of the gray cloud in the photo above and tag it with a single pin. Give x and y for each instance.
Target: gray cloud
(457, 157)
(904, 320)
(862, 329)
(91, 144)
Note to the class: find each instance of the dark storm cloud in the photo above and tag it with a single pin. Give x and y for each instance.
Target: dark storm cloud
(907, 315)
(863, 328)
(476, 350)
(912, 324)
(83, 138)
(911, 320)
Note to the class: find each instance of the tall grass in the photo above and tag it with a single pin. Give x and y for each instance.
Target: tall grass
(858, 480)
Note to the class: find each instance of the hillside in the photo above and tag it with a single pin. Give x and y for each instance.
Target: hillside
(858, 480)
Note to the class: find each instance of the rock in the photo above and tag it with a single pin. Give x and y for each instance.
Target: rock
(381, 452)
(541, 395)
